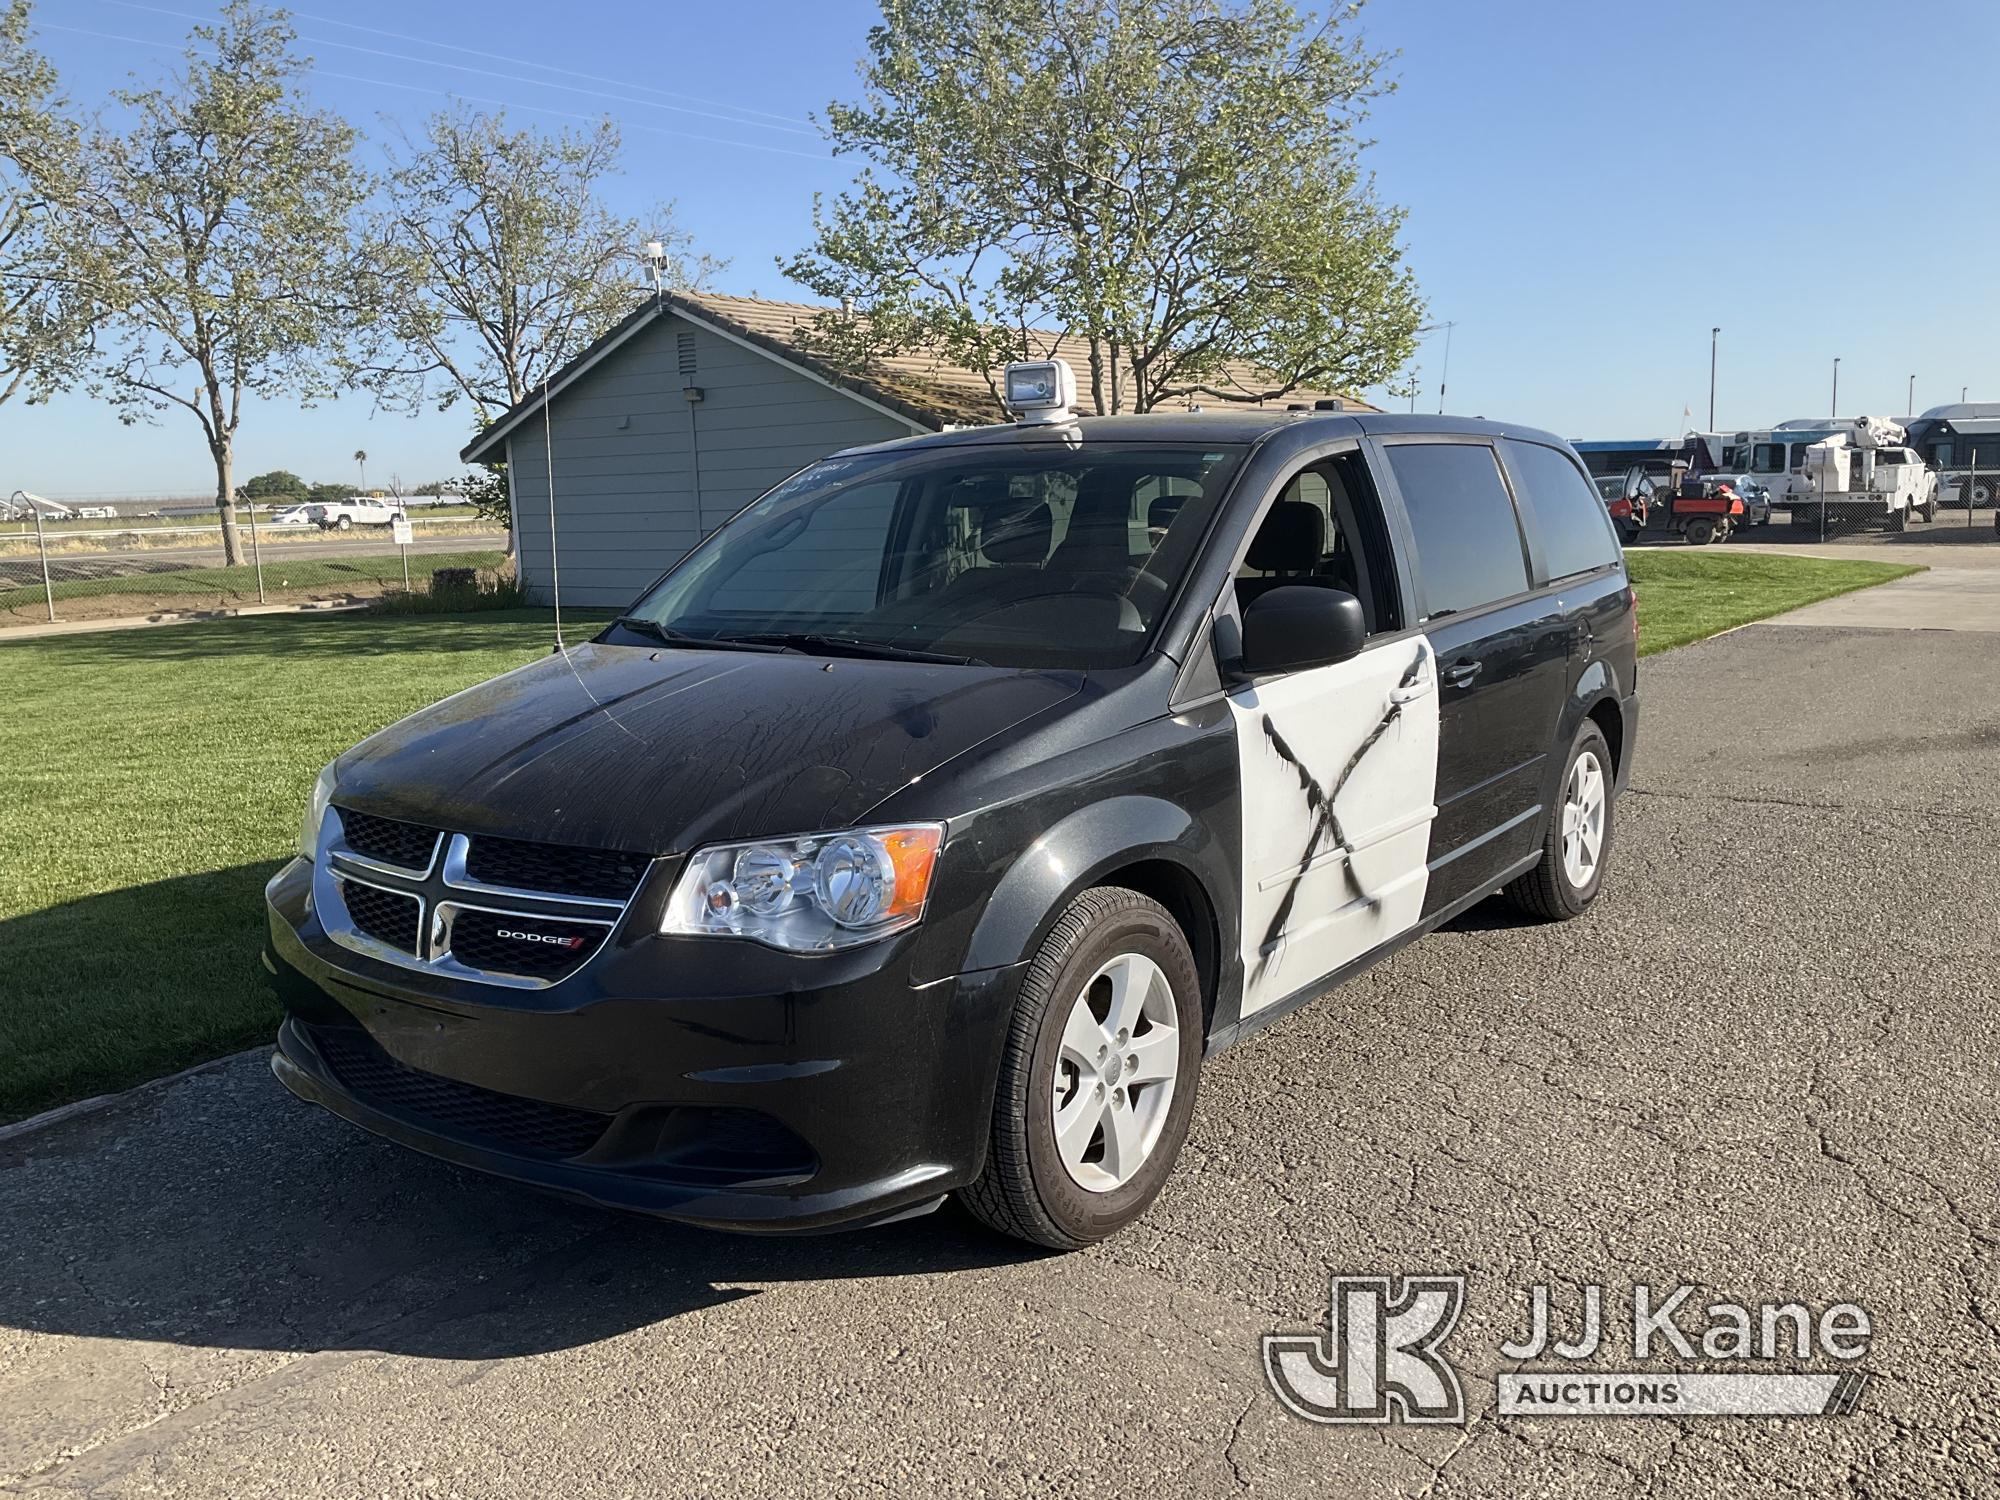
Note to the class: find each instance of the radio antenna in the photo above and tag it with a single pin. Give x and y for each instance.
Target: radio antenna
(555, 566)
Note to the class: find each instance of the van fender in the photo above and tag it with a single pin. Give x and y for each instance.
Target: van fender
(1077, 852)
(1594, 685)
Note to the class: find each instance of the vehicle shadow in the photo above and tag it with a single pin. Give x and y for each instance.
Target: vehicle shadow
(218, 1211)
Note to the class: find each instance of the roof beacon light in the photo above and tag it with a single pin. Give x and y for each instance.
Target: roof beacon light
(1040, 390)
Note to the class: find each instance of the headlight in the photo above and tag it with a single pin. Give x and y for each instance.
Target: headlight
(809, 894)
(322, 793)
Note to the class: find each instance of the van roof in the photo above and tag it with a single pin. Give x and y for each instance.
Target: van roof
(1226, 425)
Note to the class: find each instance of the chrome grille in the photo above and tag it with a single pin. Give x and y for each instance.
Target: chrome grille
(459, 915)
(504, 943)
(389, 841)
(386, 916)
(560, 869)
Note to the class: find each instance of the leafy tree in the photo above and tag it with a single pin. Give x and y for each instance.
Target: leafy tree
(45, 318)
(485, 489)
(280, 486)
(505, 261)
(224, 214)
(329, 494)
(1175, 182)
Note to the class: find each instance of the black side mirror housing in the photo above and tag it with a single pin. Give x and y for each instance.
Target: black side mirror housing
(1292, 628)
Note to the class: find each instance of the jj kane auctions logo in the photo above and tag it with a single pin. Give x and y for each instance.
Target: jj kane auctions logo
(1381, 1358)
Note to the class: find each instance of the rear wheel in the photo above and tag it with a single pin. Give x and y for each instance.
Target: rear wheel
(1098, 1078)
(1577, 843)
(1700, 531)
(1898, 519)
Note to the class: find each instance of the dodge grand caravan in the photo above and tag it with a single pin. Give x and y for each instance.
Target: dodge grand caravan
(927, 826)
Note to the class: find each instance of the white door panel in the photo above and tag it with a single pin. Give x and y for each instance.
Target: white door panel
(1339, 772)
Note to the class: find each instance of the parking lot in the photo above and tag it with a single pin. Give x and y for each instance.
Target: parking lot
(1761, 1064)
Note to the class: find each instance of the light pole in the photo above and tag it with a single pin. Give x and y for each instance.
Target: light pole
(1910, 404)
(1712, 335)
(1835, 414)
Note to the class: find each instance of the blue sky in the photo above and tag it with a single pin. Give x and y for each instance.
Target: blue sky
(1592, 185)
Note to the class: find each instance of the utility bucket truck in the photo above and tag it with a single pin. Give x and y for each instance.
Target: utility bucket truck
(1862, 475)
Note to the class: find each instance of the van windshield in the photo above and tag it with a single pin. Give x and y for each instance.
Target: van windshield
(1010, 554)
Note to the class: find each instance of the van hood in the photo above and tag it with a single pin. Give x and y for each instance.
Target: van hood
(659, 750)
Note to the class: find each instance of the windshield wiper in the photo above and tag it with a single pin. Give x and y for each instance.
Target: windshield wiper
(847, 645)
(640, 625)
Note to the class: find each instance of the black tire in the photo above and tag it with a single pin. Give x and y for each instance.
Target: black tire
(345, 523)
(1898, 520)
(1025, 1191)
(1545, 892)
(1700, 531)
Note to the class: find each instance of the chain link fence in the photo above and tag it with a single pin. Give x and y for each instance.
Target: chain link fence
(1895, 499)
(63, 563)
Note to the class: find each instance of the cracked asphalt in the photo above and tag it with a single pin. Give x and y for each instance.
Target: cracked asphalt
(1764, 1064)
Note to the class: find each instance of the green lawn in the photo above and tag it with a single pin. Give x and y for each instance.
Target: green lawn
(155, 779)
(1686, 593)
(239, 585)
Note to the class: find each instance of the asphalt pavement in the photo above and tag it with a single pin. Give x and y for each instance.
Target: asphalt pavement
(1763, 1063)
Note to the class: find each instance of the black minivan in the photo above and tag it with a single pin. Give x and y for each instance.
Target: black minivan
(925, 827)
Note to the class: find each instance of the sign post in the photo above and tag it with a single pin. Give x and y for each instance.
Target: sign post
(400, 527)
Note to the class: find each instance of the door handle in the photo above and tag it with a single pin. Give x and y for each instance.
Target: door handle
(1413, 692)
(1461, 672)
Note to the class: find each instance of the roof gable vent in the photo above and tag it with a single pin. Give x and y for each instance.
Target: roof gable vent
(684, 347)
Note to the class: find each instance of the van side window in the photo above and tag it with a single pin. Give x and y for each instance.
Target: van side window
(1575, 530)
(1468, 541)
(1325, 530)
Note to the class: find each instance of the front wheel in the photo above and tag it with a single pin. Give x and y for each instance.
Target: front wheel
(1097, 1081)
(1577, 843)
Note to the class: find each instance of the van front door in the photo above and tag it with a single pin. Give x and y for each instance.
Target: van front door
(1338, 763)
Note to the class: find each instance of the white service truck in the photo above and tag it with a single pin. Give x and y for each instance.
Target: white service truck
(1865, 474)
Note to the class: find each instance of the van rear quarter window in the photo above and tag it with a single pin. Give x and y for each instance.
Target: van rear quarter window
(1468, 542)
(1575, 532)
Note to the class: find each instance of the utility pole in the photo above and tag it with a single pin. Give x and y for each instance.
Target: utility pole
(1712, 335)
(1910, 405)
(1835, 413)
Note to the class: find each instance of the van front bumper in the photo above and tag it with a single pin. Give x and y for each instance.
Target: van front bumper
(709, 1081)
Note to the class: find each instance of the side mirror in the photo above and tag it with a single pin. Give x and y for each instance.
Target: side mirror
(1291, 628)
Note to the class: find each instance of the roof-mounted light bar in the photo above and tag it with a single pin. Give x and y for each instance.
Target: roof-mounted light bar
(1036, 391)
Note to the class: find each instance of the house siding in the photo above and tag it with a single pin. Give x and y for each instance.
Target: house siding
(628, 446)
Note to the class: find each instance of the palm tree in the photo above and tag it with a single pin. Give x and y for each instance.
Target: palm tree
(361, 458)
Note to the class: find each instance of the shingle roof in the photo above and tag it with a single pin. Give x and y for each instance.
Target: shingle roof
(920, 386)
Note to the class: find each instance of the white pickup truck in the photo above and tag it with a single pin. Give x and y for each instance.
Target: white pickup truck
(356, 510)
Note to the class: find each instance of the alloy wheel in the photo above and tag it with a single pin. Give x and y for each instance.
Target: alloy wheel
(1583, 820)
(1115, 1073)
